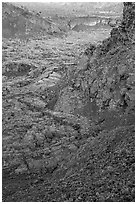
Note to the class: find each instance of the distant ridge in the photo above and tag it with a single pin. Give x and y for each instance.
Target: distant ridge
(22, 23)
(67, 9)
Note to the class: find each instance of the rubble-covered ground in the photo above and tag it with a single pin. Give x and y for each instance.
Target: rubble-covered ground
(68, 116)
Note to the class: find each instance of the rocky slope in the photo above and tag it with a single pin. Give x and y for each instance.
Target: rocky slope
(34, 73)
(107, 80)
(79, 146)
(22, 23)
(65, 16)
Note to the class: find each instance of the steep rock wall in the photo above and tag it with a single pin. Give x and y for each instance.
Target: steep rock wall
(106, 82)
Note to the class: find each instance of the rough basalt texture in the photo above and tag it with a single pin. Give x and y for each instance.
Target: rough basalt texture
(107, 79)
(31, 87)
(128, 23)
(82, 147)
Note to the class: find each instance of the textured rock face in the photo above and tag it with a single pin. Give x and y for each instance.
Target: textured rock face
(107, 80)
(35, 136)
(85, 142)
(101, 84)
(128, 22)
(126, 30)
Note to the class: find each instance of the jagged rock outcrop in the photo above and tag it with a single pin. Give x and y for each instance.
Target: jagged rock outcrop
(107, 80)
(128, 23)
